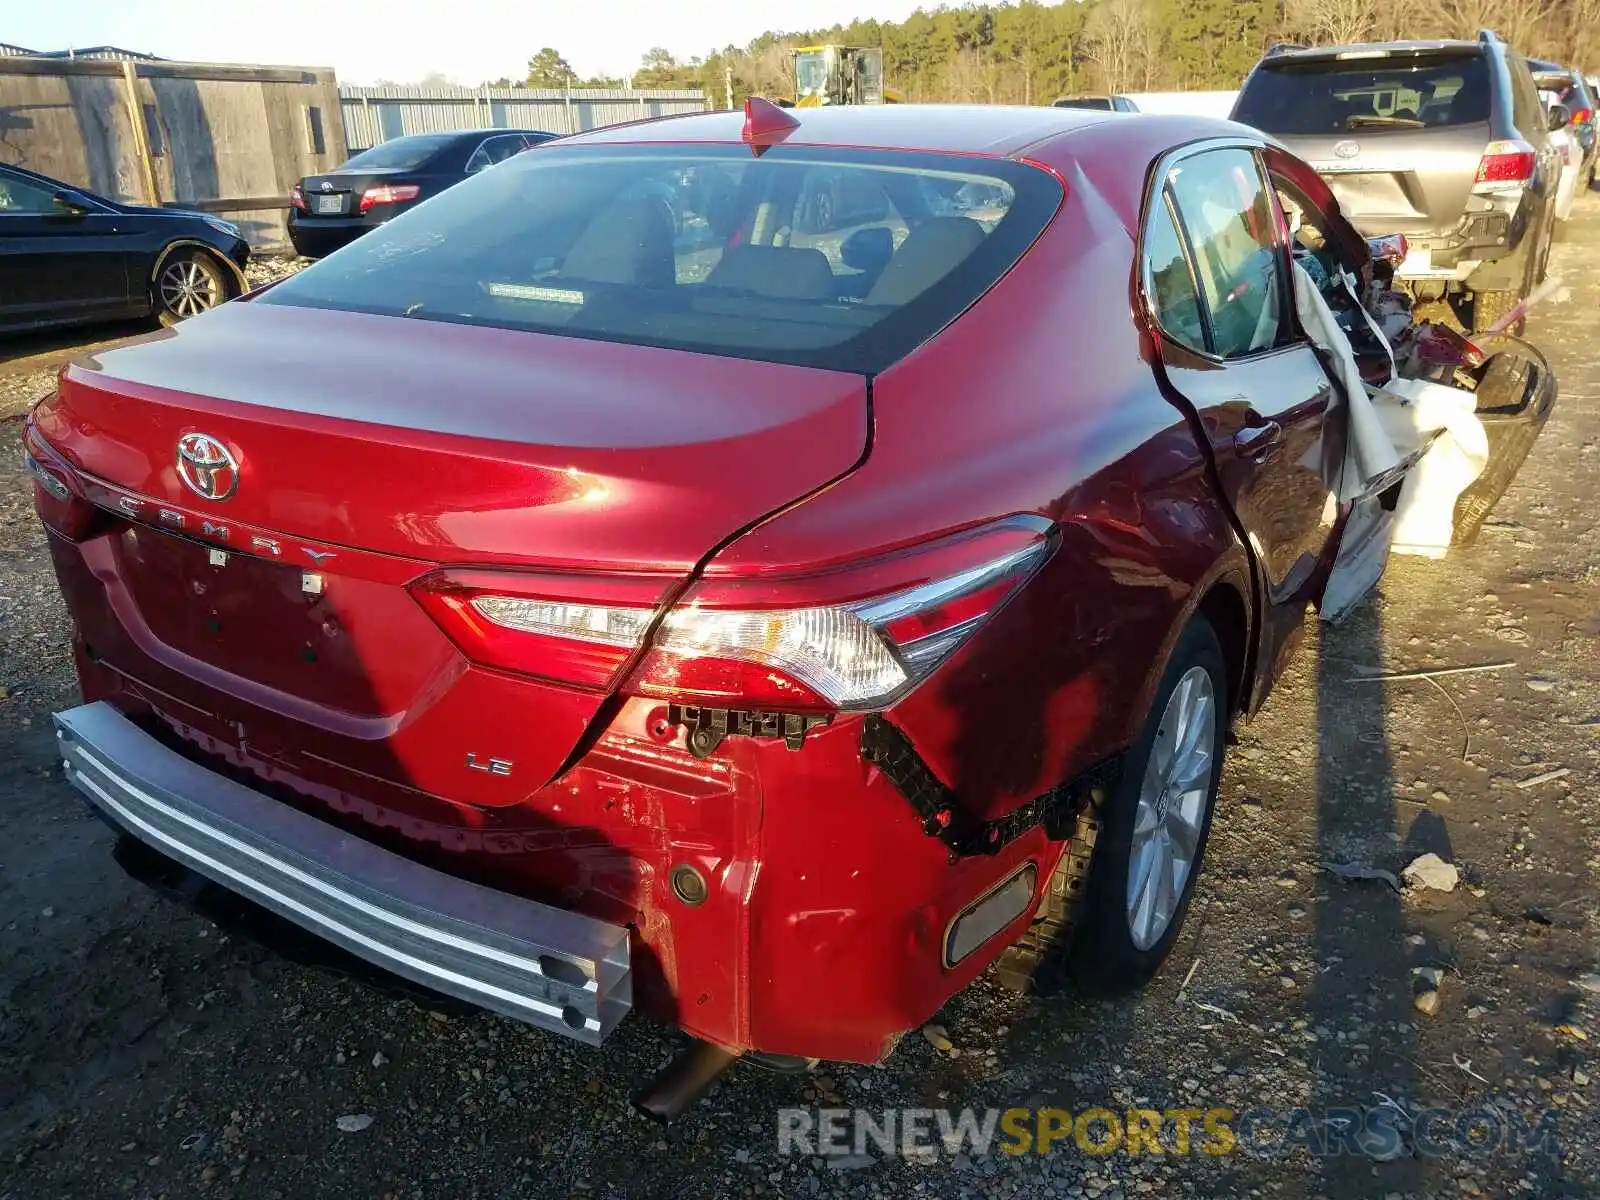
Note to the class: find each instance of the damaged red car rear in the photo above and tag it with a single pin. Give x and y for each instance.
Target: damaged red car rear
(638, 578)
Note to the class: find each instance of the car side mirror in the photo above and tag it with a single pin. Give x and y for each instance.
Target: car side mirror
(69, 203)
(1560, 117)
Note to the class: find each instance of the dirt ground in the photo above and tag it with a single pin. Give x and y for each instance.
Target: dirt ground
(144, 1055)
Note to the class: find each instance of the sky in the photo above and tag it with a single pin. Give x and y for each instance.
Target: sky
(402, 40)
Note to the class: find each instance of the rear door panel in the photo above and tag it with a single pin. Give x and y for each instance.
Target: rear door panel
(1216, 278)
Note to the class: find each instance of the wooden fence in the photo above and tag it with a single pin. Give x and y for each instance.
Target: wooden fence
(233, 140)
(225, 139)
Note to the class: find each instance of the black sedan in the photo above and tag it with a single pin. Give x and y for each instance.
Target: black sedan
(329, 211)
(68, 257)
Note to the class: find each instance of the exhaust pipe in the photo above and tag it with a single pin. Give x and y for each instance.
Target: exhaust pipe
(683, 1081)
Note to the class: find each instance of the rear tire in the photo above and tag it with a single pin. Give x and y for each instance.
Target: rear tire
(188, 283)
(1167, 793)
(1098, 935)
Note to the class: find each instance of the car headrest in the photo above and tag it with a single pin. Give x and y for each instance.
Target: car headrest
(868, 249)
(930, 252)
(776, 272)
(630, 242)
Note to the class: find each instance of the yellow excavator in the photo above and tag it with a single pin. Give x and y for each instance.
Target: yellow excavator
(840, 75)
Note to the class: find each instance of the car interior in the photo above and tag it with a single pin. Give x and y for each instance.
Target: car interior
(728, 251)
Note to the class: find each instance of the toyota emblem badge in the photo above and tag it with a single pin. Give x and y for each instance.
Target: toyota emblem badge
(206, 466)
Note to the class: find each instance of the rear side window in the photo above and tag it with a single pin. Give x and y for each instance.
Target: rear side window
(1528, 113)
(1171, 280)
(842, 259)
(1231, 228)
(1337, 95)
(399, 154)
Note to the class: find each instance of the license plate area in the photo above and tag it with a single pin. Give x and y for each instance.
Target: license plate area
(250, 618)
(330, 206)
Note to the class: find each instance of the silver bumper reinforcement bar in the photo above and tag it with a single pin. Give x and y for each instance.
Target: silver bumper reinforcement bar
(555, 969)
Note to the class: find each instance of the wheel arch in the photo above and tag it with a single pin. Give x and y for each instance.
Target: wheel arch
(1224, 597)
(229, 268)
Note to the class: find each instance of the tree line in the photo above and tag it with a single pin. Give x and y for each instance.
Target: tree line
(1030, 53)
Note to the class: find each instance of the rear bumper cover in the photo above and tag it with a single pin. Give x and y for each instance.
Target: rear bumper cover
(554, 969)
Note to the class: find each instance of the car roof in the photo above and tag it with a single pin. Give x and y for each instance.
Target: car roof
(994, 129)
(1364, 49)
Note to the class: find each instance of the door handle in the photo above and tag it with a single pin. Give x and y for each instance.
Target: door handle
(1258, 441)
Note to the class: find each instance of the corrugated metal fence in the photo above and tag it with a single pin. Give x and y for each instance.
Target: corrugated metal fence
(376, 114)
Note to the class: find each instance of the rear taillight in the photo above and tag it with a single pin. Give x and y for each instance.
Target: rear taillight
(573, 629)
(856, 638)
(58, 502)
(297, 198)
(388, 193)
(1583, 116)
(1505, 165)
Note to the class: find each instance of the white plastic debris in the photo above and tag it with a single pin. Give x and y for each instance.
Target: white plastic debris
(1431, 871)
(354, 1122)
(1413, 413)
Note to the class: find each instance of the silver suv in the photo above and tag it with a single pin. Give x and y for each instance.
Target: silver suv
(1445, 142)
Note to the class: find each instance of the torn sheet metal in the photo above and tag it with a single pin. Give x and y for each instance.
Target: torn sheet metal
(1370, 455)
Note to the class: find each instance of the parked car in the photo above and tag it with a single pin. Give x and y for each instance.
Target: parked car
(1098, 103)
(563, 626)
(1443, 141)
(1570, 89)
(332, 210)
(68, 256)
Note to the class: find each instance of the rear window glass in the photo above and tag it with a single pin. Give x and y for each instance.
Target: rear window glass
(832, 258)
(1097, 103)
(1338, 95)
(400, 153)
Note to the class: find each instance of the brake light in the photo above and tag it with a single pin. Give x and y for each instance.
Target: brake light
(388, 193)
(572, 629)
(856, 638)
(297, 198)
(1505, 165)
(1583, 116)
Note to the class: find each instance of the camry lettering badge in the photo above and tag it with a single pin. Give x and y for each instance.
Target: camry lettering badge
(1347, 149)
(207, 467)
(129, 505)
(170, 517)
(211, 529)
(317, 556)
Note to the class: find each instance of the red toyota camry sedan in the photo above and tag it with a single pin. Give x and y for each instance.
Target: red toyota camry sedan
(759, 568)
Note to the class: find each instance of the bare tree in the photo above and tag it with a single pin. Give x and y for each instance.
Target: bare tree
(1123, 40)
(1336, 21)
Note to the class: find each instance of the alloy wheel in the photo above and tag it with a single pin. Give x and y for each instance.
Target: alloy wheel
(187, 289)
(1172, 807)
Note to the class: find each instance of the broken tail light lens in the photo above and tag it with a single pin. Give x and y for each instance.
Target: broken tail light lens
(851, 639)
(1505, 165)
(388, 193)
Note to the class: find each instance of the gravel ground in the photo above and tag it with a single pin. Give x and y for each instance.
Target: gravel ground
(143, 1055)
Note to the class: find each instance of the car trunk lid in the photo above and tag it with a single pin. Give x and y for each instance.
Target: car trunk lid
(372, 450)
